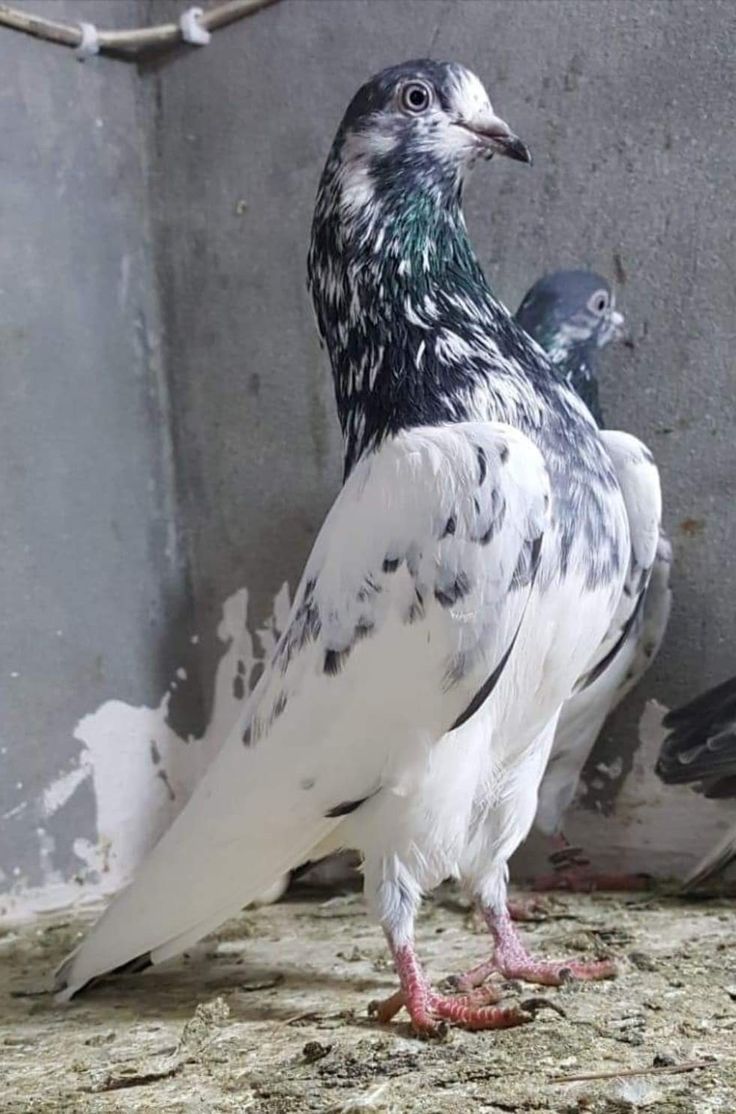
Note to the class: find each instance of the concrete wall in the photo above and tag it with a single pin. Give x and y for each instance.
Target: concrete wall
(88, 546)
(167, 438)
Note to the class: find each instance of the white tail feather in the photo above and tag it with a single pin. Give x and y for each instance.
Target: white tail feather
(221, 853)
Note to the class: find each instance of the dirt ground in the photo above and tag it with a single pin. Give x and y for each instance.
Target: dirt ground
(270, 1016)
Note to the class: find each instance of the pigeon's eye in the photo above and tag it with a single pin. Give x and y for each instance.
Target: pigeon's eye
(598, 302)
(416, 97)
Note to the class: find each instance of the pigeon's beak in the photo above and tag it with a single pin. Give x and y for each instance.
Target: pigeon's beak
(613, 330)
(495, 137)
(618, 325)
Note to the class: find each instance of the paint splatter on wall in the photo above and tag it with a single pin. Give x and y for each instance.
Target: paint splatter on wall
(142, 772)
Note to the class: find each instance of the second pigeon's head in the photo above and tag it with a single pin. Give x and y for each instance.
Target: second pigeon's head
(572, 314)
(417, 128)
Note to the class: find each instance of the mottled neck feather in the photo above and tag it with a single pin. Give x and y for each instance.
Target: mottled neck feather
(410, 323)
(577, 364)
(579, 370)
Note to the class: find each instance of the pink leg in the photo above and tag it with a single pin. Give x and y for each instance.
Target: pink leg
(573, 873)
(428, 1009)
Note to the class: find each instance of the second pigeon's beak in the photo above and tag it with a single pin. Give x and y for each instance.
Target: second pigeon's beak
(618, 325)
(495, 137)
(617, 329)
(613, 329)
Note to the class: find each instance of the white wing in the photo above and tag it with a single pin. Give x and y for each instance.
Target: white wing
(648, 631)
(633, 639)
(408, 608)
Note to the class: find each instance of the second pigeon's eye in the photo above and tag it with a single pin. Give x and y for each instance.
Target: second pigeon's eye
(598, 302)
(416, 97)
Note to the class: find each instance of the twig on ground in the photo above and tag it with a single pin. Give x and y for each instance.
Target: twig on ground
(144, 1079)
(627, 1073)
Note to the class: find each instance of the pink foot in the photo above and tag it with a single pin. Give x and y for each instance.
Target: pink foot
(583, 880)
(428, 1010)
(527, 909)
(573, 872)
(476, 976)
(514, 962)
(511, 960)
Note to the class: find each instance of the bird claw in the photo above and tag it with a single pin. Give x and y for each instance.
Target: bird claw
(431, 1012)
(550, 973)
(537, 971)
(461, 984)
(534, 1005)
(511, 960)
(473, 978)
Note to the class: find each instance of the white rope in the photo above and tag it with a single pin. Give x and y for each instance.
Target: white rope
(193, 26)
(90, 42)
(192, 30)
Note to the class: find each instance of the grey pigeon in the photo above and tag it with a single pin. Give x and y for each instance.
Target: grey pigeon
(700, 750)
(573, 315)
(468, 572)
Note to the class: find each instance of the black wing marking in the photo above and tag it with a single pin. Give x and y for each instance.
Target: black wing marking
(701, 745)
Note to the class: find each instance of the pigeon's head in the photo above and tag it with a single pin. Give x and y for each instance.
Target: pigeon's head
(571, 309)
(572, 314)
(396, 286)
(419, 127)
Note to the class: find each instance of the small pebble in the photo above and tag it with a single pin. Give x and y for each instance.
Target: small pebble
(314, 1050)
(642, 961)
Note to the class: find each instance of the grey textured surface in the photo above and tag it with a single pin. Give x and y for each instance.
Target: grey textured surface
(87, 537)
(154, 231)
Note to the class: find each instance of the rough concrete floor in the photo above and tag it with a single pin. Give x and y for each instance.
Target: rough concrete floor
(270, 1016)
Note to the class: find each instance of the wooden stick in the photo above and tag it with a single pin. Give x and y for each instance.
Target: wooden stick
(627, 1073)
(130, 41)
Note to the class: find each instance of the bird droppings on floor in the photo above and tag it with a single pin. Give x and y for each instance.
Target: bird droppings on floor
(270, 1016)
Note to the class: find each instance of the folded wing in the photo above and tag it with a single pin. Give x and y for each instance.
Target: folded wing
(407, 611)
(633, 638)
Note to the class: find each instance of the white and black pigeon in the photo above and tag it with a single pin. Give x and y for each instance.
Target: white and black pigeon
(573, 315)
(700, 750)
(466, 573)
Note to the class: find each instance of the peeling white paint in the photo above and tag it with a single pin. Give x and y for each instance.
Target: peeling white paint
(17, 810)
(59, 792)
(142, 772)
(46, 849)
